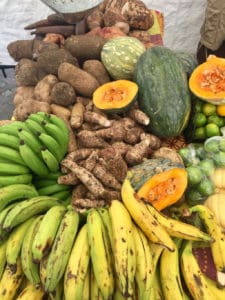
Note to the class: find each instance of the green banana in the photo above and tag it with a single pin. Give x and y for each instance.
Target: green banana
(60, 136)
(52, 189)
(34, 126)
(6, 180)
(3, 215)
(9, 168)
(54, 175)
(215, 230)
(61, 248)
(192, 274)
(41, 119)
(50, 160)
(58, 292)
(31, 140)
(11, 193)
(2, 258)
(27, 209)
(77, 267)
(124, 247)
(104, 214)
(30, 269)
(43, 182)
(9, 140)
(144, 264)
(170, 274)
(101, 253)
(62, 195)
(11, 155)
(60, 123)
(52, 145)
(46, 233)
(14, 242)
(12, 128)
(31, 159)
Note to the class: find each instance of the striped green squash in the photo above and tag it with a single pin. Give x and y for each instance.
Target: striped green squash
(119, 56)
(163, 91)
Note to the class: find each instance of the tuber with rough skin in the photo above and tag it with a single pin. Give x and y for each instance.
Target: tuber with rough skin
(63, 94)
(42, 90)
(77, 115)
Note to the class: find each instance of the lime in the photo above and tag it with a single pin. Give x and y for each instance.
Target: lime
(215, 120)
(198, 106)
(219, 159)
(199, 133)
(208, 109)
(212, 129)
(206, 187)
(199, 150)
(193, 197)
(194, 175)
(199, 119)
(207, 166)
(222, 144)
(212, 144)
(188, 156)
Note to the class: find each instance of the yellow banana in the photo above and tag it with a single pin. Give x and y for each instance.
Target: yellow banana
(144, 264)
(216, 231)
(156, 251)
(101, 253)
(104, 213)
(31, 292)
(123, 247)
(86, 289)
(156, 291)
(2, 257)
(77, 267)
(193, 276)
(178, 228)
(95, 293)
(219, 293)
(170, 274)
(11, 281)
(143, 218)
(58, 292)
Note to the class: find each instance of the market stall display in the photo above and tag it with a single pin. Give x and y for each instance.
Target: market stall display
(102, 193)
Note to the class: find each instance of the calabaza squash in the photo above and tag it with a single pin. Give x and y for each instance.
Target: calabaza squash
(207, 81)
(115, 96)
(159, 181)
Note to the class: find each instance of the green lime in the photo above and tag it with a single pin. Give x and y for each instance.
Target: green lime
(199, 150)
(219, 159)
(198, 106)
(193, 197)
(199, 119)
(208, 109)
(206, 187)
(212, 129)
(222, 144)
(188, 156)
(199, 133)
(207, 166)
(215, 120)
(212, 144)
(194, 175)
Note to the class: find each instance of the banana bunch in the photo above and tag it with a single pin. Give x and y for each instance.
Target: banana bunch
(36, 145)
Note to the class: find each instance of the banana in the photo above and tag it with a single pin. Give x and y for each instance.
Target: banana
(30, 269)
(219, 294)
(6, 180)
(12, 128)
(60, 252)
(144, 264)
(31, 292)
(11, 281)
(95, 293)
(58, 292)
(77, 267)
(62, 195)
(39, 118)
(27, 209)
(156, 291)
(34, 126)
(31, 140)
(52, 189)
(11, 155)
(192, 274)
(170, 274)
(215, 230)
(101, 253)
(156, 251)
(50, 160)
(104, 214)
(86, 289)
(123, 248)
(41, 182)
(46, 233)
(52, 145)
(60, 123)
(60, 136)
(143, 218)
(2, 258)
(9, 140)
(42, 269)
(179, 229)
(11, 193)
(14, 242)
(31, 159)
(9, 168)
(3, 215)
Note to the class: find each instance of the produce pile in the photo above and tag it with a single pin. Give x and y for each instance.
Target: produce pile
(94, 204)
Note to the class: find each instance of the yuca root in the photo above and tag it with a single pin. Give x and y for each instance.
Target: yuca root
(68, 179)
(87, 203)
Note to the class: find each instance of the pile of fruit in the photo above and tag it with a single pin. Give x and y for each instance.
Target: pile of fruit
(93, 205)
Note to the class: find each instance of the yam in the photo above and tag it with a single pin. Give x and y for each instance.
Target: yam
(23, 110)
(42, 90)
(84, 83)
(97, 69)
(26, 73)
(63, 94)
(23, 93)
(60, 111)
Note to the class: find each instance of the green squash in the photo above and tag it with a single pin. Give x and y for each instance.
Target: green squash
(119, 56)
(188, 60)
(163, 91)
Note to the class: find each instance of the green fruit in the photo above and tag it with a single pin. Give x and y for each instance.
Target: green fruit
(215, 120)
(198, 106)
(200, 119)
(222, 144)
(193, 197)
(208, 109)
(212, 145)
(219, 159)
(207, 166)
(188, 156)
(194, 175)
(199, 133)
(206, 187)
(212, 129)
